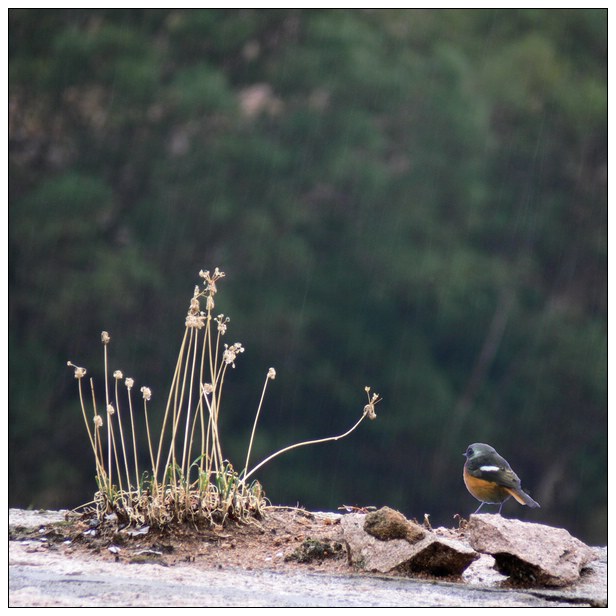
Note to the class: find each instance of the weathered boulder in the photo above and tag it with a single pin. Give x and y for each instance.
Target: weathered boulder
(387, 524)
(428, 554)
(529, 553)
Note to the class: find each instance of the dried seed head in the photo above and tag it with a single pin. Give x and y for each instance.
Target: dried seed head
(372, 401)
(129, 383)
(147, 393)
(195, 307)
(210, 280)
(197, 321)
(105, 338)
(231, 352)
(79, 372)
(207, 388)
(369, 410)
(98, 421)
(110, 409)
(271, 373)
(118, 375)
(222, 323)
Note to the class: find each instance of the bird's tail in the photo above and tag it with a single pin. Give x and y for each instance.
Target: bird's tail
(523, 498)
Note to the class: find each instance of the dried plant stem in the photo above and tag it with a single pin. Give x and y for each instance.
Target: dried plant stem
(187, 441)
(177, 409)
(132, 424)
(172, 394)
(216, 408)
(100, 472)
(117, 401)
(114, 449)
(254, 425)
(314, 442)
(206, 343)
(214, 357)
(216, 460)
(147, 428)
(85, 419)
(109, 465)
(198, 416)
(97, 440)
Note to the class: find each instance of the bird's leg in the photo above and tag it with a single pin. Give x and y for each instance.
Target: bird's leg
(501, 505)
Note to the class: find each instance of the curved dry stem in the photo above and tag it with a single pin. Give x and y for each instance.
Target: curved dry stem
(314, 442)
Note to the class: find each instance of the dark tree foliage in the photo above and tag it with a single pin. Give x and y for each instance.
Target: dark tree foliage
(413, 200)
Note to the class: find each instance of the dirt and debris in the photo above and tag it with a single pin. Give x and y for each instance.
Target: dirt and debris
(50, 547)
(312, 550)
(285, 539)
(282, 539)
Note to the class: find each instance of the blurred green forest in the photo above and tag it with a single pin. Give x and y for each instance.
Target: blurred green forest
(414, 200)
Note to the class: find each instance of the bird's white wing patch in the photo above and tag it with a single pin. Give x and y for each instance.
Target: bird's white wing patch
(488, 469)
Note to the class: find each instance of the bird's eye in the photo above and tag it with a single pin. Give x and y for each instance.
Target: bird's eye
(469, 451)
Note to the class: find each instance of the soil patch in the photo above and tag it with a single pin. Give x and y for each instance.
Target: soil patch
(284, 539)
(50, 549)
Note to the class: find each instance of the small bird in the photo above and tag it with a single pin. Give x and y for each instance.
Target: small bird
(490, 479)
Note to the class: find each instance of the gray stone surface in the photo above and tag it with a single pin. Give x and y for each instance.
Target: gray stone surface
(44, 577)
(431, 554)
(534, 554)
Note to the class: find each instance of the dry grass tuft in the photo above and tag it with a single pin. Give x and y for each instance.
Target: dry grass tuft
(187, 478)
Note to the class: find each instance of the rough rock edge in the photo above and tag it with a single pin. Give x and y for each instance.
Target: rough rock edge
(431, 555)
(590, 590)
(530, 553)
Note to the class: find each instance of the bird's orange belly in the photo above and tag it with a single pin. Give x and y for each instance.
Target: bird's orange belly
(485, 491)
